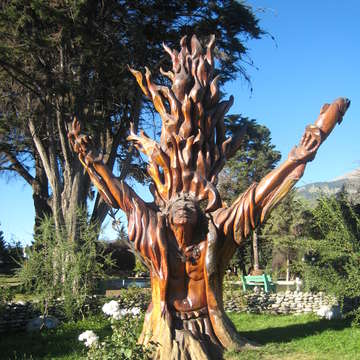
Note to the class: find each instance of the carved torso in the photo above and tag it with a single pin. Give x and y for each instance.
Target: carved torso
(186, 288)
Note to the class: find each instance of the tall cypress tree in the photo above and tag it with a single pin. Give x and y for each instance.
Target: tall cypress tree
(255, 158)
(60, 58)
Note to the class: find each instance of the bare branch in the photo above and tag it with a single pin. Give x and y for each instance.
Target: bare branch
(17, 166)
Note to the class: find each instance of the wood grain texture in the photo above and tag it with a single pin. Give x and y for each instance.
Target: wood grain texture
(187, 236)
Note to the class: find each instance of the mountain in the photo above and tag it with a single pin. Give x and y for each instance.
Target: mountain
(350, 181)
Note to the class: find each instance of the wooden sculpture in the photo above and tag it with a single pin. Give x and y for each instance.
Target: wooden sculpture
(187, 236)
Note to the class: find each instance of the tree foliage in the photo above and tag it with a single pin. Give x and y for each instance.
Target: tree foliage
(57, 268)
(11, 254)
(284, 233)
(2, 245)
(332, 249)
(61, 58)
(255, 158)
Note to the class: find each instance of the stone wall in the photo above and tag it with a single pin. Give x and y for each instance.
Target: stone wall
(15, 316)
(289, 302)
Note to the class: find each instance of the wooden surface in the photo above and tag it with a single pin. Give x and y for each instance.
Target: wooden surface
(187, 236)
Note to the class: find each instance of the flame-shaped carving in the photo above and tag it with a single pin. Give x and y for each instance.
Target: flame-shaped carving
(193, 147)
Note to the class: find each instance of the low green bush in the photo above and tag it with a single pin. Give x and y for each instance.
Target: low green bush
(332, 259)
(6, 294)
(59, 268)
(122, 343)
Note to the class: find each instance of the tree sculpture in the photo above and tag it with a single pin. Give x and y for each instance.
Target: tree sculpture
(187, 236)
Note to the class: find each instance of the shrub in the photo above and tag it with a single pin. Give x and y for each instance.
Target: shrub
(140, 269)
(57, 267)
(332, 259)
(122, 343)
(6, 295)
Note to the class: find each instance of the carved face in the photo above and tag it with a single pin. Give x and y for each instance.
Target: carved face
(184, 212)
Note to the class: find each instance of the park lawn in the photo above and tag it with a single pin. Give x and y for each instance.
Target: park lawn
(9, 280)
(289, 337)
(12, 283)
(301, 337)
(61, 343)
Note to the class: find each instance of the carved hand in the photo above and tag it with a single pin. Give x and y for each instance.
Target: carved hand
(280, 180)
(91, 159)
(307, 148)
(314, 135)
(83, 145)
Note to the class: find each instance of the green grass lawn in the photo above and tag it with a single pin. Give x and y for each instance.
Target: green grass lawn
(12, 283)
(300, 337)
(280, 337)
(61, 343)
(9, 280)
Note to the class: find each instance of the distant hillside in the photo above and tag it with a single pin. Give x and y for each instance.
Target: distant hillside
(350, 181)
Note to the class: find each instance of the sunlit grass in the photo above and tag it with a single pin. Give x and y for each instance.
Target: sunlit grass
(297, 337)
(289, 337)
(9, 280)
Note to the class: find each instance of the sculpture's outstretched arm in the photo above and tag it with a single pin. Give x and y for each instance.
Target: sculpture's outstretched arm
(251, 207)
(115, 193)
(273, 187)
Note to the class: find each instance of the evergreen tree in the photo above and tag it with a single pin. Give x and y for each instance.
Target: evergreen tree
(332, 260)
(255, 158)
(3, 248)
(284, 231)
(11, 254)
(60, 58)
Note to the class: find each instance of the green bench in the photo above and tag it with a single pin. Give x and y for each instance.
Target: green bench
(258, 280)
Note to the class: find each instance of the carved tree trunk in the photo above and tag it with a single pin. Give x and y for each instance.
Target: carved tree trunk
(186, 246)
(192, 336)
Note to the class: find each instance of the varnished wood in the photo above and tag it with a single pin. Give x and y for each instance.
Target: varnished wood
(187, 236)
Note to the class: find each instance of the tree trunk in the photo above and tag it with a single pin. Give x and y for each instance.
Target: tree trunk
(40, 194)
(256, 269)
(195, 335)
(287, 266)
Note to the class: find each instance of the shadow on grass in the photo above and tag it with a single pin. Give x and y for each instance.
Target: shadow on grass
(50, 344)
(296, 331)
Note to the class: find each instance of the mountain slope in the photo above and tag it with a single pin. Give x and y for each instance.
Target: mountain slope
(350, 181)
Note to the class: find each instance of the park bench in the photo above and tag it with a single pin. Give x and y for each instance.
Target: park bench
(258, 280)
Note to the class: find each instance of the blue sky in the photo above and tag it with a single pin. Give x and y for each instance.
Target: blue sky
(314, 59)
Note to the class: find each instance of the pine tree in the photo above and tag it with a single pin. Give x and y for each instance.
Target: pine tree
(59, 59)
(255, 158)
(3, 248)
(284, 231)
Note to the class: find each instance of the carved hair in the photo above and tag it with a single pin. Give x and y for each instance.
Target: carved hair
(193, 147)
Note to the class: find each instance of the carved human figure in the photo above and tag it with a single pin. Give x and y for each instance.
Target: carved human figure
(187, 236)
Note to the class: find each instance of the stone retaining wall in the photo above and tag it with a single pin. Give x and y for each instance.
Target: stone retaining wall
(289, 302)
(15, 316)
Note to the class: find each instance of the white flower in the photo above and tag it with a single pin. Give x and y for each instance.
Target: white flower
(111, 307)
(117, 315)
(329, 312)
(89, 337)
(322, 311)
(135, 311)
(329, 315)
(124, 312)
